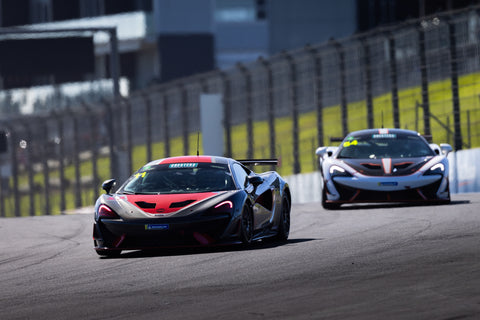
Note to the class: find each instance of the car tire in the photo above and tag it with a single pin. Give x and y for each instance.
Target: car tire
(108, 253)
(246, 226)
(325, 204)
(284, 224)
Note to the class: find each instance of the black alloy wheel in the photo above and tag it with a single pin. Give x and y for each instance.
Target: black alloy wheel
(284, 224)
(247, 226)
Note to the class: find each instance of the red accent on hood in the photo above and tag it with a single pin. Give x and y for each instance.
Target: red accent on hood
(187, 159)
(163, 201)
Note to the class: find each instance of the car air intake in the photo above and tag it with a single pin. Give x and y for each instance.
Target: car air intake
(145, 205)
(181, 204)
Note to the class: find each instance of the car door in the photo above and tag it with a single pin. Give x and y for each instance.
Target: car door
(261, 195)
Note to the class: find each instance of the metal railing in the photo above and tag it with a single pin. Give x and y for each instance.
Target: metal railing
(282, 107)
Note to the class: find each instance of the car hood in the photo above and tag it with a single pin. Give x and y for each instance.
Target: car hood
(387, 166)
(160, 204)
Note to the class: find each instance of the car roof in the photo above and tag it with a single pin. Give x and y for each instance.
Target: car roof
(384, 131)
(192, 159)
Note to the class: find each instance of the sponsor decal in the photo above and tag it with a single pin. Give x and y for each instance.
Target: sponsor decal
(157, 226)
(384, 136)
(183, 165)
(388, 183)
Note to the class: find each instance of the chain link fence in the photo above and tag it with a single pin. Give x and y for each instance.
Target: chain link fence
(422, 75)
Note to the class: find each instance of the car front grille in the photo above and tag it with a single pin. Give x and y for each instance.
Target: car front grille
(348, 194)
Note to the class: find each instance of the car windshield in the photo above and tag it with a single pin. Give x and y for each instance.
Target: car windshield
(378, 146)
(179, 178)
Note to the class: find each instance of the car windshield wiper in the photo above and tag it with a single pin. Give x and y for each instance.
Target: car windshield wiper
(129, 192)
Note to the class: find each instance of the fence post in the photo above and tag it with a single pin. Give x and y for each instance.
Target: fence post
(368, 82)
(117, 134)
(128, 138)
(61, 161)
(248, 84)
(294, 104)
(271, 107)
(469, 129)
(184, 108)
(14, 161)
(94, 146)
(76, 161)
(2, 178)
(46, 169)
(29, 167)
(343, 86)
(111, 137)
(165, 124)
(448, 132)
(417, 105)
(424, 75)
(454, 81)
(227, 121)
(317, 67)
(148, 124)
(393, 80)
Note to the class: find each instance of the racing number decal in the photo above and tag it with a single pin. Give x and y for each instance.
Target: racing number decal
(140, 175)
(350, 143)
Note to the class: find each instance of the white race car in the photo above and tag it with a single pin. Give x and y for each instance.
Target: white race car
(384, 165)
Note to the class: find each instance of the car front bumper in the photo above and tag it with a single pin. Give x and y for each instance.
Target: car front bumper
(118, 234)
(414, 188)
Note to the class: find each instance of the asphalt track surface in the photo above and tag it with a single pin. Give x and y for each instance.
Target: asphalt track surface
(362, 262)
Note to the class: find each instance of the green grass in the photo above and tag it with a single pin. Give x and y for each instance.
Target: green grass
(411, 117)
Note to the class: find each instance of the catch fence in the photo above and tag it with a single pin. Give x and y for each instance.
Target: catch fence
(422, 75)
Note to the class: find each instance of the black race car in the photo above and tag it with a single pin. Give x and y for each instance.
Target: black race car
(192, 201)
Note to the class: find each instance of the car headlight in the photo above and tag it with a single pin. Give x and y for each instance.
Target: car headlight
(105, 212)
(224, 207)
(439, 168)
(336, 171)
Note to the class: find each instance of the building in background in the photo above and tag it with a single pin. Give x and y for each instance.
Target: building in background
(161, 40)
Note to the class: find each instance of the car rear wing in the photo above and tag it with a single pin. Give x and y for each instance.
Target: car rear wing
(428, 137)
(258, 162)
(336, 139)
(340, 139)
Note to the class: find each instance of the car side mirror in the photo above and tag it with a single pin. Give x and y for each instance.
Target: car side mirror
(255, 180)
(446, 148)
(107, 185)
(321, 151)
(325, 151)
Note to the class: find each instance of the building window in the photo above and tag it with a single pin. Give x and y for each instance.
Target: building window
(66, 10)
(239, 10)
(40, 11)
(91, 8)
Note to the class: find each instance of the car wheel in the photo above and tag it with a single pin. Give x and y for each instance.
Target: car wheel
(284, 225)
(108, 253)
(325, 204)
(246, 233)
